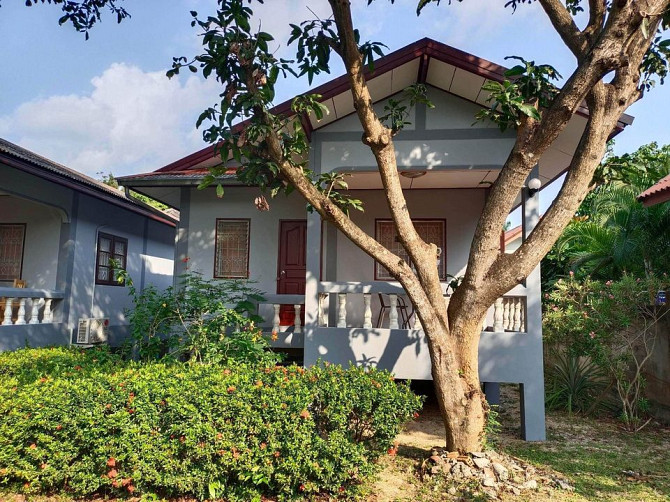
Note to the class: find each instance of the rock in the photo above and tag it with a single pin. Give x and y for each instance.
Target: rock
(563, 485)
(490, 482)
(501, 471)
(436, 459)
(451, 490)
(435, 451)
(481, 462)
(453, 454)
(478, 454)
(467, 472)
(490, 493)
(435, 470)
(515, 490)
(530, 485)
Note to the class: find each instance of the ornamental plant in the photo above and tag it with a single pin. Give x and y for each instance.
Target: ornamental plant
(199, 320)
(169, 429)
(613, 324)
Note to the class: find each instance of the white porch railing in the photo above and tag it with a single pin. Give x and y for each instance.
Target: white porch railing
(297, 301)
(21, 306)
(507, 314)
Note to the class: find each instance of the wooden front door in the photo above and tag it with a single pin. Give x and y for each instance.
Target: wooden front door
(292, 265)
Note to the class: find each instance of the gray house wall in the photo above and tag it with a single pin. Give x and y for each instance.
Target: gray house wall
(60, 252)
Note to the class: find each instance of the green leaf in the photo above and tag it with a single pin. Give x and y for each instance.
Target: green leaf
(219, 191)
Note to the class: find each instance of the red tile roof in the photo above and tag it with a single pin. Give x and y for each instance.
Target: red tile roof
(656, 194)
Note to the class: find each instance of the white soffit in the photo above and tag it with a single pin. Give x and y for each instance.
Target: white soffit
(466, 84)
(380, 87)
(404, 76)
(440, 74)
(344, 104)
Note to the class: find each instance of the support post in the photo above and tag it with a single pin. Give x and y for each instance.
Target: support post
(532, 393)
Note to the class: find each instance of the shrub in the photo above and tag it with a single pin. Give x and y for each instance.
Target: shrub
(611, 323)
(201, 320)
(175, 429)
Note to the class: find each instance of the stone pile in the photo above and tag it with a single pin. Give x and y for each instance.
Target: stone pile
(493, 473)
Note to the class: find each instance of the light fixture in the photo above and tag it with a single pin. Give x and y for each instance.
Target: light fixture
(534, 185)
(412, 174)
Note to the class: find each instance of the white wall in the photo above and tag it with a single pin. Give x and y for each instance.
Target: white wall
(238, 202)
(40, 251)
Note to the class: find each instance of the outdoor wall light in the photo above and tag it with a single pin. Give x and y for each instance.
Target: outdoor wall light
(534, 185)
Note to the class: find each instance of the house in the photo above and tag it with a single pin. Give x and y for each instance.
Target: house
(328, 299)
(512, 239)
(656, 194)
(58, 231)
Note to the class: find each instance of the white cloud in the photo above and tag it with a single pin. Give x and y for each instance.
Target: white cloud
(131, 121)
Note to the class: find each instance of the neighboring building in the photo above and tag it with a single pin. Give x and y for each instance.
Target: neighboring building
(352, 311)
(656, 194)
(512, 239)
(58, 230)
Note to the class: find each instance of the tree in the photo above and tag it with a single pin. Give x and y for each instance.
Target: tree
(613, 233)
(84, 14)
(110, 180)
(617, 55)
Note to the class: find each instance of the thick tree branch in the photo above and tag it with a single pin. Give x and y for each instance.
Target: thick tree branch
(565, 26)
(380, 140)
(597, 12)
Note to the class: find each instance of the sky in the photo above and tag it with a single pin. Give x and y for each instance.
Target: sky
(104, 105)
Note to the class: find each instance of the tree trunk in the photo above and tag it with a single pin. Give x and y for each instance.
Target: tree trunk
(460, 398)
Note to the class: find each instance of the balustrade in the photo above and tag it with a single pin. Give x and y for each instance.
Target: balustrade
(21, 306)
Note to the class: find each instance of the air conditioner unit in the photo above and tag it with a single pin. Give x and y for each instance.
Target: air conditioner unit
(91, 331)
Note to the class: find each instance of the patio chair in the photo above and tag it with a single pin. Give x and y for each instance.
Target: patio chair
(405, 314)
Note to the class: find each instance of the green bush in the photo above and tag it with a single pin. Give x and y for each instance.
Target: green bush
(175, 429)
(210, 321)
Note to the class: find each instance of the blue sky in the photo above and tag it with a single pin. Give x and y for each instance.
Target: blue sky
(104, 105)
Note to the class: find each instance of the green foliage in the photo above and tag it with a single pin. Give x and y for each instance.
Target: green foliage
(492, 428)
(200, 321)
(173, 429)
(526, 89)
(574, 384)
(612, 324)
(84, 14)
(396, 111)
(613, 233)
(110, 180)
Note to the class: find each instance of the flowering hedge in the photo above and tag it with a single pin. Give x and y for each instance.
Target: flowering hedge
(86, 423)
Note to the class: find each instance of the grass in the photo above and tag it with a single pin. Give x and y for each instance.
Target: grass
(602, 461)
(596, 456)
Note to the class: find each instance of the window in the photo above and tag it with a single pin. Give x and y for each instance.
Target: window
(231, 260)
(110, 247)
(12, 239)
(432, 231)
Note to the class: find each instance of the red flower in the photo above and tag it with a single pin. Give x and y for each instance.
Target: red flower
(416, 415)
(392, 452)
(111, 462)
(112, 473)
(304, 414)
(33, 446)
(59, 427)
(301, 488)
(231, 389)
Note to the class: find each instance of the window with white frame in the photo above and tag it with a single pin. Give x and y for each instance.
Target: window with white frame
(432, 231)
